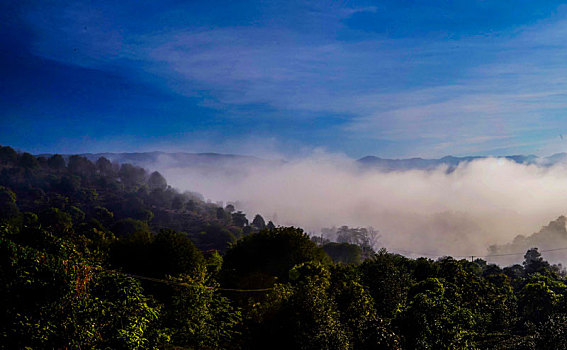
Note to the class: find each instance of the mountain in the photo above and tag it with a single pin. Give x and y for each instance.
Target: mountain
(372, 162)
(155, 159)
(218, 161)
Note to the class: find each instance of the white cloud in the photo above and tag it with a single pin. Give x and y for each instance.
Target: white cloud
(459, 213)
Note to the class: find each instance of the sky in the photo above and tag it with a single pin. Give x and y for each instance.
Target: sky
(394, 79)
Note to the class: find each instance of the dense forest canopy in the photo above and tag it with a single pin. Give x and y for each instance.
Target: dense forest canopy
(107, 255)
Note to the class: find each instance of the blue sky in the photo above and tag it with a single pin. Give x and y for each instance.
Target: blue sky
(390, 78)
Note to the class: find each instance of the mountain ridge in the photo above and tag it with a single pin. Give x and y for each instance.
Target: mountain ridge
(452, 161)
(184, 159)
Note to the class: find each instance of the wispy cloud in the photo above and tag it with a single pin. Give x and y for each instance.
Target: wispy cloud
(473, 90)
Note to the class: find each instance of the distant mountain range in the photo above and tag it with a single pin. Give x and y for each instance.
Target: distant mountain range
(175, 159)
(452, 162)
(213, 160)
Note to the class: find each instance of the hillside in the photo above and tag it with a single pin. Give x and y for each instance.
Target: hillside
(107, 255)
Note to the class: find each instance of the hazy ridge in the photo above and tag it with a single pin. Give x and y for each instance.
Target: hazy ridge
(188, 159)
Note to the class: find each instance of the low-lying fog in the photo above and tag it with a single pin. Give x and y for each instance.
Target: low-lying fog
(458, 213)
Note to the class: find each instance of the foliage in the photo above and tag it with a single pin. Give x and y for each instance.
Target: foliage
(63, 301)
(103, 255)
(343, 252)
(199, 317)
(259, 260)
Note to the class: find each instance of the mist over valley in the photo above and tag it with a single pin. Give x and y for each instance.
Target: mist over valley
(314, 175)
(452, 206)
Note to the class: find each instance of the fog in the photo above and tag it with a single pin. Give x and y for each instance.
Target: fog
(436, 212)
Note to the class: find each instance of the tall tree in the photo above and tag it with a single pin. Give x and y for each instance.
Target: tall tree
(157, 182)
(259, 222)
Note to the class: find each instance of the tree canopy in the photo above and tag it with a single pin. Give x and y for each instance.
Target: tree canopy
(102, 255)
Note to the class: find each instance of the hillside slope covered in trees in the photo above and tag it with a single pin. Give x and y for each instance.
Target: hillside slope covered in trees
(99, 255)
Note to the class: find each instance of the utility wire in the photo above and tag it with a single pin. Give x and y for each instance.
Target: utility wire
(152, 279)
(472, 255)
(183, 284)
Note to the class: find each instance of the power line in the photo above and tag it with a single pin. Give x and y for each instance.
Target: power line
(152, 279)
(472, 255)
(183, 284)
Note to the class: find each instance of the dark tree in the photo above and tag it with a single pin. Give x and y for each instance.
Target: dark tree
(534, 263)
(177, 202)
(388, 281)
(57, 220)
(345, 253)
(157, 181)
(68, 184)
(56, 162)
(104, 166)
(77, 215)
(81, 166)
(42, 161)
(132, 175)
(8, 207)
(129, 226)
(239, 219)
(216, 237)
(230, 208)
(103, 215)
(173, 253)
(8, 155)
(259, 222)
(27, 161)
(258, 260)
(222, 214)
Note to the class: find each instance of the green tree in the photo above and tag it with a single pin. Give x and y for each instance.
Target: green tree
(172, 253)
(539, 298)
(388, 282)
(258, 260)
(216, 237)
(358, 315)
(103, 215)
(57, 220)
(126, 227)
(432, 321)
(57, 299)
(198, 316)
(299, 315)
(345, 253)
(77, 215)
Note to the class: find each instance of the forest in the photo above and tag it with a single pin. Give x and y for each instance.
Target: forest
(101, 255)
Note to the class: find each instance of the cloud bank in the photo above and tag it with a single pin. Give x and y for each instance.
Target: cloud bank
(458, 213)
